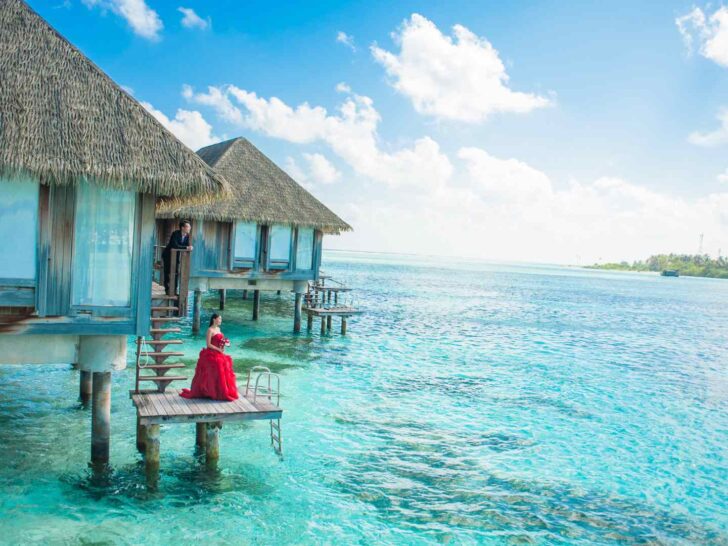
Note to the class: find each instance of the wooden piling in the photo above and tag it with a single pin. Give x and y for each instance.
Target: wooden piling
(200, 435)
(212, 445)
(343, 326)
(151, 452)
(100, 418)
(323, 325)
(141, 437)
(222, 299)
(256, 304)
(85, 388)
(196, 311)
(297, 313)
(328, 322)
(309, 322)
(245, 294)
(278, 293)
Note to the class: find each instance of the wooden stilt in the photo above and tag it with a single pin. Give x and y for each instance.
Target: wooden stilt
(309, 322)
(100, 418)
(85, 388)
(256, 304)
(336, 298)
(278, 293)
(343, 326)
(222, 299)
(141, 437)
(328, 322)
(323, 325)
(297, 313)
(328, 297)
(196, 311)
(245, 294)
(200, 435)
(212, 446)
(151, 452)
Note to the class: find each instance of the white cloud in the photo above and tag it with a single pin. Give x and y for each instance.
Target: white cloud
(351, 133)
(321, 169)
(318, 170)
(504, 179)
(191, 20)
(723, 177)
(143, 20)
(347, 40)
(505, 209)
(188, 126)
(414, 199)
(710, 33)
(462, 79)
(712, 138)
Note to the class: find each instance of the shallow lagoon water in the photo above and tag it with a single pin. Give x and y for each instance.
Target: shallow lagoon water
(473, 403)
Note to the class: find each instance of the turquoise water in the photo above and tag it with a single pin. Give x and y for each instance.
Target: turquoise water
(472, 404)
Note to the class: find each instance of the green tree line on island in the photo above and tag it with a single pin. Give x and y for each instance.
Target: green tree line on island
(698, 265)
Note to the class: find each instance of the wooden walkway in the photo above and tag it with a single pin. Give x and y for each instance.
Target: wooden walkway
(169, 407)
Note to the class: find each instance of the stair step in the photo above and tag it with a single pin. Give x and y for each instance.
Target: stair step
(162, 366)
(161, 341)
(165, 308)
(165, 319)
(147, 353)
(162, 378)
(165, 330)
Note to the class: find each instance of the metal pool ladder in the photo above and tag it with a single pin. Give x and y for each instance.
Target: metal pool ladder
(267, 386)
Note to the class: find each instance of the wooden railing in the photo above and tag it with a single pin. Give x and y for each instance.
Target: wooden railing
(179, 277)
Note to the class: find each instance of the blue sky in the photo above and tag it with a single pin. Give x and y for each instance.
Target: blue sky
(540, 131)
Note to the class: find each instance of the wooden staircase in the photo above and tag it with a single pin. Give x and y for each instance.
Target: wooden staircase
(152, 354)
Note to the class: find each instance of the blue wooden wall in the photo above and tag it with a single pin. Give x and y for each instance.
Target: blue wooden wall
(43, 305)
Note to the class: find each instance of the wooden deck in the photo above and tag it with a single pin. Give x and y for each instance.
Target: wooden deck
(342, 311)
(170, 407)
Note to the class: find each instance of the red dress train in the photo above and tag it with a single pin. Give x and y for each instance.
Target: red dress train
(214, 376)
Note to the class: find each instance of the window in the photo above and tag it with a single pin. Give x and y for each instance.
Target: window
(280, 245)
(246, 234)
(19, 223)
(103, 244)
(304, 250)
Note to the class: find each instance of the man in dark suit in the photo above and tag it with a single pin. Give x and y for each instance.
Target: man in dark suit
(180, 240)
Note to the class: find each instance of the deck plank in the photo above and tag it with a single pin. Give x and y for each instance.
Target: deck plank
(169, 407)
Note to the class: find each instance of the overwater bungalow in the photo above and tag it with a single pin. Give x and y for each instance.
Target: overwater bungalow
(267, 236)
(81, 165)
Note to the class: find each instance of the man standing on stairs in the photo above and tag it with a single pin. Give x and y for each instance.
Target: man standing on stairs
(179, 240)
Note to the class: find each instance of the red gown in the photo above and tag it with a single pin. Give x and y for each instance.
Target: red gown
(214, 376)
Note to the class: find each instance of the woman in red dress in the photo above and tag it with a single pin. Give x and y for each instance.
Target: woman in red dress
(214, 376)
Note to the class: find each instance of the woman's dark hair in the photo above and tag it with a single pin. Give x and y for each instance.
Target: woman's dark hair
(212, 318)
(183, 223)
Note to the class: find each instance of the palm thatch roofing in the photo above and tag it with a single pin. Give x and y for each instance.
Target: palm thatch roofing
(261, 192)
(62, 120)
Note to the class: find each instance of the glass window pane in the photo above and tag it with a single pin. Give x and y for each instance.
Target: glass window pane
(245, 236)
(280, 243)
(19, 223)
(103, 246)
(304, 250)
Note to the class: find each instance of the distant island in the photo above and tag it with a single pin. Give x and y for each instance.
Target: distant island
(689, 265)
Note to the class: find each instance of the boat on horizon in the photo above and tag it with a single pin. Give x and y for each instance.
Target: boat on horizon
(670, 273)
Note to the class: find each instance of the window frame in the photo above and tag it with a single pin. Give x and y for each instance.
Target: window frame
(313, 249)
(78, 309)
(245, 262)
(280, 265)
(21, 291)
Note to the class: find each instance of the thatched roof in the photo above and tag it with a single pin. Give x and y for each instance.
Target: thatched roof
(62, 119)
(261, 192)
